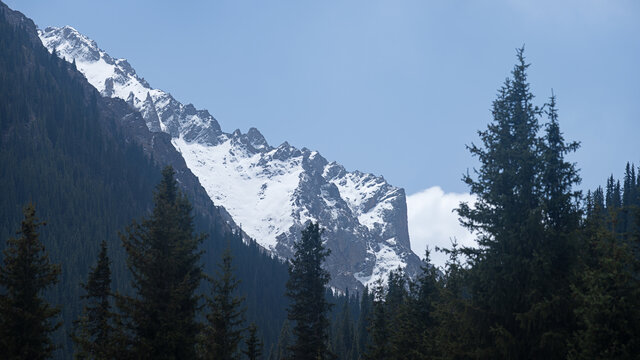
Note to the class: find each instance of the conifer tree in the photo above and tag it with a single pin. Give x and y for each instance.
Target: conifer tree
(549, 321)
(613, 195)
(629, 190)
(523, 216)
(253, 349)
(629, 201)
(400, 309)
(455, 334)
(396, 292)
(223, 331)
(95, 337)
(306, 289)
(163, 257)
(406, 340)
(362, 333)
(379, 347)
(597, 202)
(413, 334)
(26, 319)
(344, 334)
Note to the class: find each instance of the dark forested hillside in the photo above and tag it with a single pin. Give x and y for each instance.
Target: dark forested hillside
(89, 164)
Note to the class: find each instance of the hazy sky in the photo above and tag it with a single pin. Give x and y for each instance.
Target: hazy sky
(396, 88)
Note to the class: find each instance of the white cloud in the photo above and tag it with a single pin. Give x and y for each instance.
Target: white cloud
(432, 222)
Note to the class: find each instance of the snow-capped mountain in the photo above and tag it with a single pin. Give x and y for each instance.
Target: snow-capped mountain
(271, 192)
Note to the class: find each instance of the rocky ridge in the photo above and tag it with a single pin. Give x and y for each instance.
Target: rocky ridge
(271, 192)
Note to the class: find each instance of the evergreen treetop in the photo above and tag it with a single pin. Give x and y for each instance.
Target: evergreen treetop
(524, 219)
(26, 319)
(223, 332)
(163, 257)
(95, 336)
(253, 349)
(379, 346)
(306, 289)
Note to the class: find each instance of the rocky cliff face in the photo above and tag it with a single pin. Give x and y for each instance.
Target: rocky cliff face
(270, 192)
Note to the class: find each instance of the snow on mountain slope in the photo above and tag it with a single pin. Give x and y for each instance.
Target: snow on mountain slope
(259, 198)
(116, 78)
(272, 192)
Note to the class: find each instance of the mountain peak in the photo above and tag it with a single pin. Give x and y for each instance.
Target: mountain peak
(256, 139)
(68, 41)
(272, 192)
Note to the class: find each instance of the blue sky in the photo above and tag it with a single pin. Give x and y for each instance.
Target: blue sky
(396, 88)
(391, 87)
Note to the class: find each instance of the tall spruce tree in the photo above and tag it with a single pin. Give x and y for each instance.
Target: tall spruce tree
(523, 216)
(549, 321)
(223, 331)
(306, 289)
(95, 336)
(26, 319)
(163, 257)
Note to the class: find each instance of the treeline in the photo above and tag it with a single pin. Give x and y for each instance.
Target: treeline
(158, 321)
(592, 314)
(161, 318)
